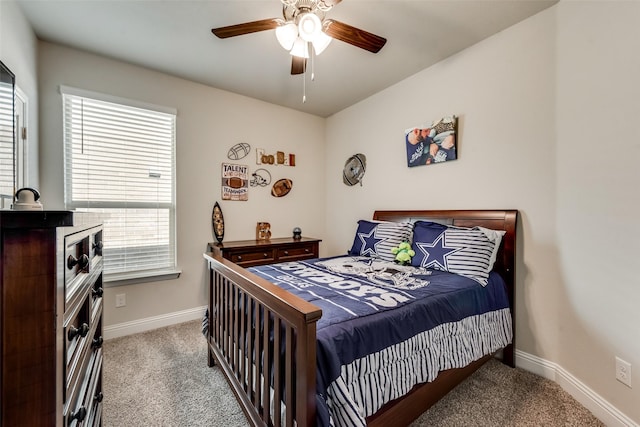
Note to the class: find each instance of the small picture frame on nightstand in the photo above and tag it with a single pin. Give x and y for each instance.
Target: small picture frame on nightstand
(263, 231)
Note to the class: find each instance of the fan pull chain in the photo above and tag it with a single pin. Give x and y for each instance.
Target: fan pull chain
(304, 72)
(313, 55)
(304, 83)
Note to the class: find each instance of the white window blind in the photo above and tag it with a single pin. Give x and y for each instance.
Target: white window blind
(120, 164)
(6, 139)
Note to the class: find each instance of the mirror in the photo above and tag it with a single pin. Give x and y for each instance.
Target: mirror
(7, 137)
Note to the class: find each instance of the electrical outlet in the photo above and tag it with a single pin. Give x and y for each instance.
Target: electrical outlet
(623, 371)
(121, 300)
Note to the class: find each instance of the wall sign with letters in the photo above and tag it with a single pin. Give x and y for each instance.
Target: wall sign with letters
(235, 182)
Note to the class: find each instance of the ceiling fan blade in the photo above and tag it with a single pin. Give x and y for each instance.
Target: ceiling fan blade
(246, 28)
(355, 36)
(298, 64)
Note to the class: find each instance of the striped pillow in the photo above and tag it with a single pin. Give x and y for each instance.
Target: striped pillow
(469, 252)
(376, 238)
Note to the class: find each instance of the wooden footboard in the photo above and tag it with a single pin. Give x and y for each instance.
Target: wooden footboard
(264, 338)
(265, 341)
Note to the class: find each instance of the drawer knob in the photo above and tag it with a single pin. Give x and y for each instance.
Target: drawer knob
(97, 342)
(78, 415)
(286, 253)
(97, 246)
(83, 330)
(306, 250)
(98, 397)
(83, 262)
(97, 292)
(266, 255)
(239, 257)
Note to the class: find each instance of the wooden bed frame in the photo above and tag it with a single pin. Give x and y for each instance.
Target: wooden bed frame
(234, 291)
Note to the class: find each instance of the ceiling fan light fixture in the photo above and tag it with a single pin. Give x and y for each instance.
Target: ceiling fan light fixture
(321, 42)
(309, 26)
(300, 48)
(287, 35)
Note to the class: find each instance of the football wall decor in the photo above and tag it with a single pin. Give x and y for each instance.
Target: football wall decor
(354, 169)
(281, 187)
(239, 151)
(235, 182)
(260, 178)
(279, 159)
(217, 221)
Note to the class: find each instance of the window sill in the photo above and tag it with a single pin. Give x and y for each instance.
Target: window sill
(123, 279)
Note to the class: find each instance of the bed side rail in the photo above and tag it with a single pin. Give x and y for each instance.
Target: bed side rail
(264, 339)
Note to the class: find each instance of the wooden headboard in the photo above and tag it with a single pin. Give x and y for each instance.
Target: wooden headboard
(495, 219)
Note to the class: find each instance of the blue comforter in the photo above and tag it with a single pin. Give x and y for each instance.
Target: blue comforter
(373, 310)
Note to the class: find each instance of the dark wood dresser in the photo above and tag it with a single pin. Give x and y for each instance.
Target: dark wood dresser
(249, 253)
(50, 319)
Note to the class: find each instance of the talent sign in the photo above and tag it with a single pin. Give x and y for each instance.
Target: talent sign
(235, 182)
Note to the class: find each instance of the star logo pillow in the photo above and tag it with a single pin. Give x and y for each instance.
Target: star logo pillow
(469, 252)
(376, 238)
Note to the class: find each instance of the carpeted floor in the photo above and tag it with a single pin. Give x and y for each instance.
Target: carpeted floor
(161, 378)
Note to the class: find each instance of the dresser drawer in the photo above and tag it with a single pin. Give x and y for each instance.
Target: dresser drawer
(84, 382)
(97, 293)
(83, 407)
(96, 244)
(295, 252)
(82, 261)
(250, 257)
(77, 332)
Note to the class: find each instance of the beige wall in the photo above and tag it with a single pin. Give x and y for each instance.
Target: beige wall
(19, 52)
(547, 125)
(504, 97)
(598, 138)
(209, 122)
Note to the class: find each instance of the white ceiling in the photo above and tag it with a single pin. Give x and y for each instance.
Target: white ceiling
(174, 37)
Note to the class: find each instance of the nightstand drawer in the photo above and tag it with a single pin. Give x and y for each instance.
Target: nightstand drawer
(250, 253)
(302, 251)
(242, 258)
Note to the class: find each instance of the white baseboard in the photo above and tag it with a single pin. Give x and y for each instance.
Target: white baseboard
(603, 410)
(150, 323)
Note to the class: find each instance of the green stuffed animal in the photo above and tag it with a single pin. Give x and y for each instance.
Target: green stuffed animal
(403, 253)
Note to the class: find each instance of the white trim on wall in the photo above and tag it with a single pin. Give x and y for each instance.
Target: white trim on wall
(603, 410)
(155, 322)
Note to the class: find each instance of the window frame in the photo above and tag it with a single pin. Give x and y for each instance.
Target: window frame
(22, 137)
(7, 136)
(132, 276)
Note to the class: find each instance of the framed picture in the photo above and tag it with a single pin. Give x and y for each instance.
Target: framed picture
(433, 143)
(235, 182)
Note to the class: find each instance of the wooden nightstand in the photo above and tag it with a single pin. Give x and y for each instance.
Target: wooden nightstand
(249, 253)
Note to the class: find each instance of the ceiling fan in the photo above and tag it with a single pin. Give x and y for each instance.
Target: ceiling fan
(304, 30)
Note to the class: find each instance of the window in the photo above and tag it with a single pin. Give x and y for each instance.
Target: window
(7, 154)
(120, 165)
(22, 124)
